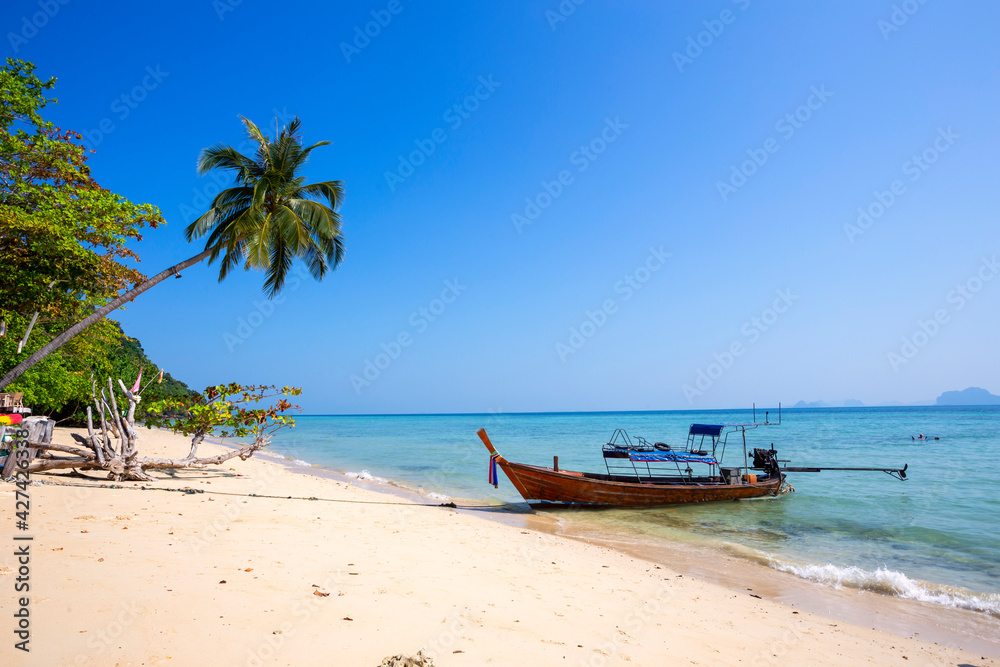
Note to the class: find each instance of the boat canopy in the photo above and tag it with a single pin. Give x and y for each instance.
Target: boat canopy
(670, 457)
(713, 430)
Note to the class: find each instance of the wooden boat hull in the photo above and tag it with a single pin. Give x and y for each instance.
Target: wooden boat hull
(546, 488)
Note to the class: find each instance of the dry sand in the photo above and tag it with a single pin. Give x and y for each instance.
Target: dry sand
(129, 577)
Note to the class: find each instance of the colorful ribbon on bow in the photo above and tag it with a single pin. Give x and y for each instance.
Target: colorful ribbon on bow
(494, 480)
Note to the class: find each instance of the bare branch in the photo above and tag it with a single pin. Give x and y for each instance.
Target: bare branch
(244, 453)
(61, 448)
(42, 465)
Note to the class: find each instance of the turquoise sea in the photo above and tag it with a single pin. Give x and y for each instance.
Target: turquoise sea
(934, 537)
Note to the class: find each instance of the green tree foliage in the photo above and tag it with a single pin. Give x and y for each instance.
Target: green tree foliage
(225, 411)
(57, 225)
(62, 380)
(63, 248)
(60, 386)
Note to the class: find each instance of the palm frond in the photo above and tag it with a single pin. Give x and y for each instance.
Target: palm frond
(237, 226)
(200, 227)
(238, 196)
(280, 263)
(303, 155)
(297, 232)
(225, 157)
(332, 191)
(254, 132)
(322, 220)
(234, 255)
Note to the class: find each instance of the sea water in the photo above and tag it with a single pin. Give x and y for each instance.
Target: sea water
(934, 537)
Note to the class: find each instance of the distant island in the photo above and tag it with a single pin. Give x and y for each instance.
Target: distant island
(970, 396)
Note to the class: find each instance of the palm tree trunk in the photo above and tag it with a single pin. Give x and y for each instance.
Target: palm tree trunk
(98, 314)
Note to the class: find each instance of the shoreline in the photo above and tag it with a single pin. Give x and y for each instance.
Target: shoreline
(904, 617)
(169, 578)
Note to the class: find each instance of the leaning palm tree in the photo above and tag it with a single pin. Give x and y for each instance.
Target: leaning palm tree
(269, 218)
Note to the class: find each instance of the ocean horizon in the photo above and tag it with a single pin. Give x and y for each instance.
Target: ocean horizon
(611, 412)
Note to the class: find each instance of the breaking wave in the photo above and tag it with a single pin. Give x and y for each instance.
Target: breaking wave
(882, 581)
(366, 476)
(896, 584)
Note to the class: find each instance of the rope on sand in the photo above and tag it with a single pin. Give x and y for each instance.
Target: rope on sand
(190, 491)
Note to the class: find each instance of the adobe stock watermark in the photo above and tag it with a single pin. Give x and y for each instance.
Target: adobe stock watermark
(562, 12)
(109, 637)
(914, 168)
(454, 116)
(123, 105)
(697, 43)
(363, 36)
(461, 455)
(751, 332)
(786, 126)
(223, 7)
(218, 180)
(446, 639)
(297, 615)
(31, 24)
(262, 311)
(630, 627)
(581, 159)
(419, 321)
(627, 287)
(899, 17)
(776, 652)
(958, 298)
(203, 196)
(226, 514)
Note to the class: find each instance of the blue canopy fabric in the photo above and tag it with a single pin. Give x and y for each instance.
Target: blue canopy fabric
(669, 457)
(706, 429)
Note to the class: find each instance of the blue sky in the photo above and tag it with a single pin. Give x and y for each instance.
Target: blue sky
(646, 206)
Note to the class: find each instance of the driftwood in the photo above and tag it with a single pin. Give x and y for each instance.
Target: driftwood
(113, 447)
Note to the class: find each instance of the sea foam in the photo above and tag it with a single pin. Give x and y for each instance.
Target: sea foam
(896, 584)
(366, 476)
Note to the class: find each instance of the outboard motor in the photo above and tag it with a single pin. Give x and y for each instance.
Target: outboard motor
(766, 460)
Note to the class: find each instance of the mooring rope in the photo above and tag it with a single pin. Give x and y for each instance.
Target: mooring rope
(190, 491)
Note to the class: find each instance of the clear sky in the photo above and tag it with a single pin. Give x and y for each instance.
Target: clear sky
(630, 198)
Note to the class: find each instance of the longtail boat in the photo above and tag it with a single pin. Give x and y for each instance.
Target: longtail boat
(645, 474)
